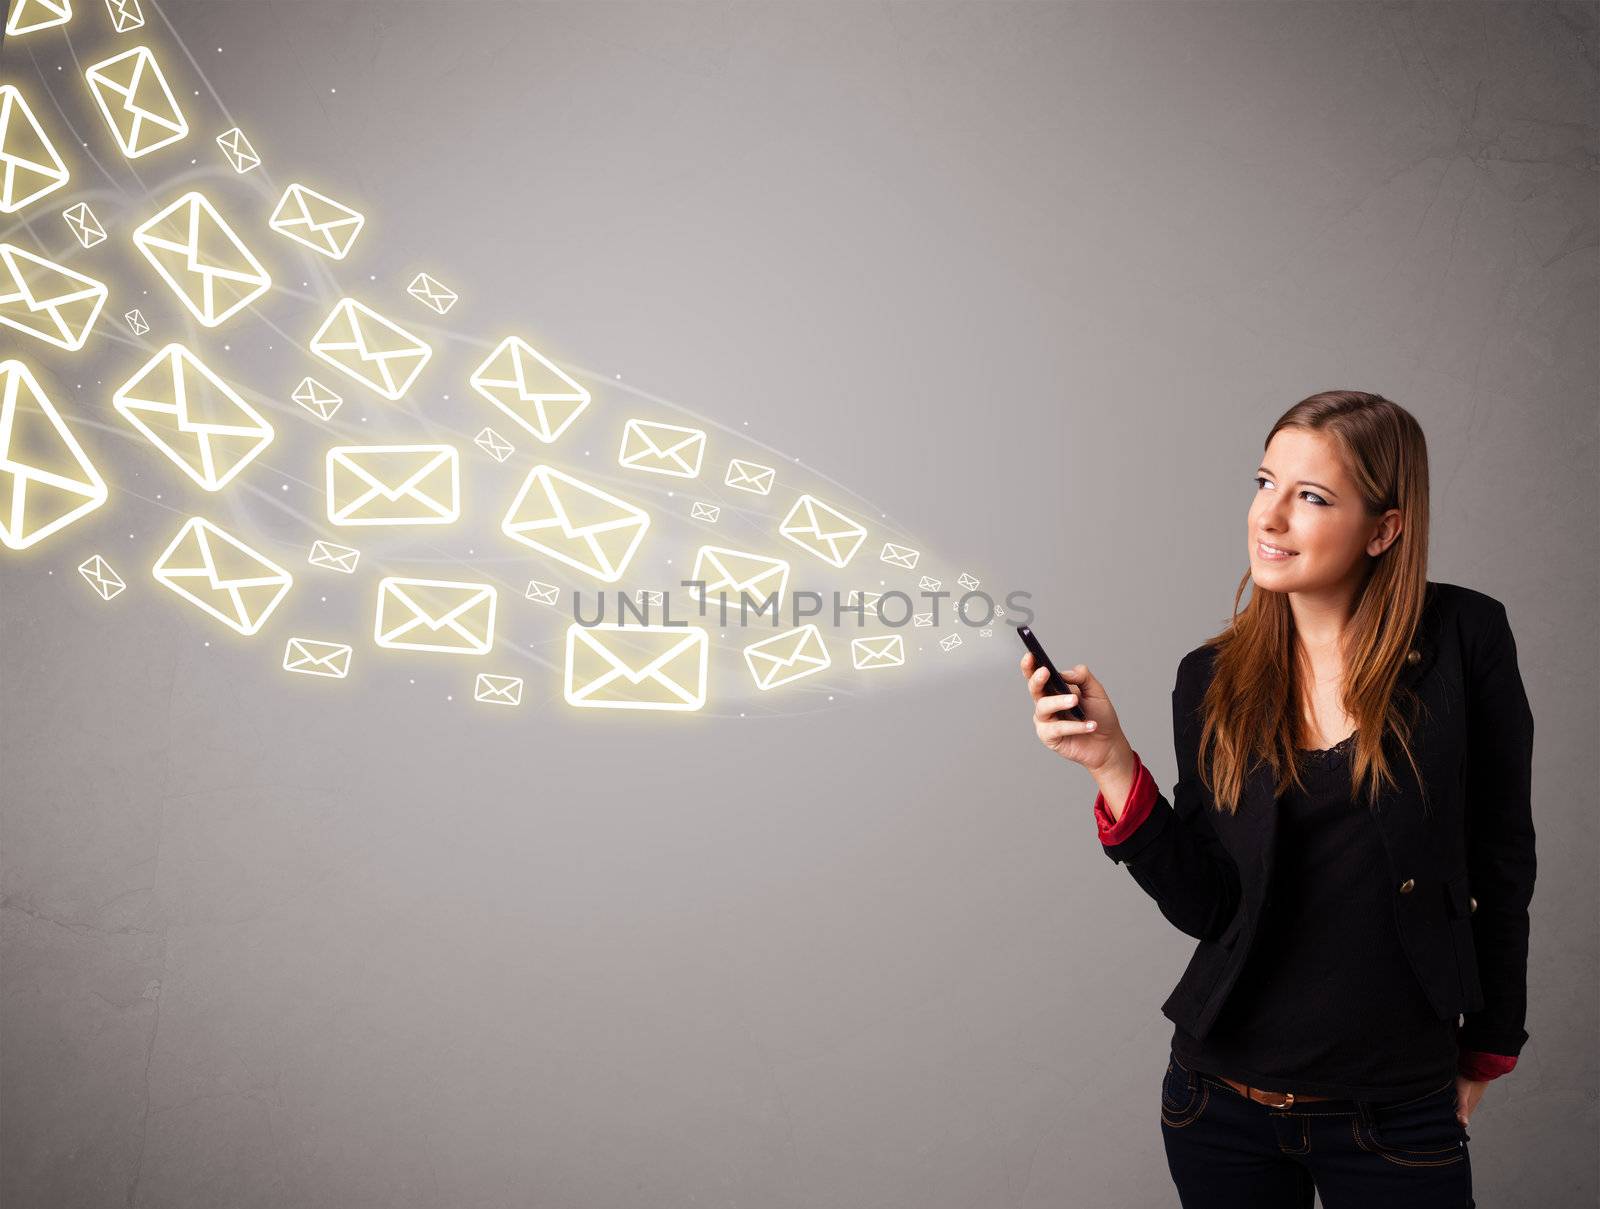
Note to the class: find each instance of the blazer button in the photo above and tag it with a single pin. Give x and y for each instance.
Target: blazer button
(1413, 656)
(1406, 886)
(1472, 905)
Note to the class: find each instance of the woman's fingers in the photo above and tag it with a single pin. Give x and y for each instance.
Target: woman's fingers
(1049, 732)
(1045, 708)
(1036, 682)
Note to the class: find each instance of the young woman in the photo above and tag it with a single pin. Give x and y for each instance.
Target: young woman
(1350, 839)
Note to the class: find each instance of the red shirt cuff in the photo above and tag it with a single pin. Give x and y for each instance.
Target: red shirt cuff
(1479, 1067)
(1140, 799)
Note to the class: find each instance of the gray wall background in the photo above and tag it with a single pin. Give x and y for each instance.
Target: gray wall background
(266, 946)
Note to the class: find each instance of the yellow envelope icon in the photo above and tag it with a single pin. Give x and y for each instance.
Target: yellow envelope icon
(530, 388)
(662, 448)
(137, 102)
(125, 15)
(576, 524)
(197, 253)
(432, 294)
(899, 556)
(46, 480)
(312, 658)
(47, 300)
(193, 416)
(106, 582)
(498, 690)
(435, 615)
(750, 476)
(704, 512)
(222, 576)
(636, 667)
(316, 398)
(493, 444)
(394, 484)
(29, 15)
(85, 227)
(542, 592)
(736, 574)
(334, 556)
(237, 148)
(789, 656)
(829, 534)
(376, 352)
(881, 650)
(316, 220)
(30, 166)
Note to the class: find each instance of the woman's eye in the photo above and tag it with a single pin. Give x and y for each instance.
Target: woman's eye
(1313, 495)
(1261, 482)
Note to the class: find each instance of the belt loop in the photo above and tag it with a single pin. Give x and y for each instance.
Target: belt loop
(1364, 1109)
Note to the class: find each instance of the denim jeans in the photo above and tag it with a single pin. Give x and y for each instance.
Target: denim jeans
(1224, 1149)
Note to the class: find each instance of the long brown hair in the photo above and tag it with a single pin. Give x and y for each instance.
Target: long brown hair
(1249, 716)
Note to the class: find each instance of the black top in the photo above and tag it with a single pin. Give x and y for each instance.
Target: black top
(1327, 1003)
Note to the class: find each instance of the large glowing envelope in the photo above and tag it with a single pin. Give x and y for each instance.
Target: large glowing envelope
(193, 416)
(317, 221)
(662, 448)
(375, 351)
(737, 573)
(197, 253)
(576, 524)
(394, 484)
(30, 166)
(435, 615)
(137, 102)
(222, 576)
(312, 658)
(829, 534)
(879, 650)
(530, 388)
(789, 656)
(46, 480)
(47, 300)
(636, 667)
(29, 15)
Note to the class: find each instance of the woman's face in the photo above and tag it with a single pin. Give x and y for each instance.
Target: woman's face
(1305, 504)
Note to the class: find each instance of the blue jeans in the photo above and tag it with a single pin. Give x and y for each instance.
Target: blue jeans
(1224, 1149)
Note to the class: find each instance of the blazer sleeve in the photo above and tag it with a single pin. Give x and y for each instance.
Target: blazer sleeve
(1499, 837)
(1174, 854)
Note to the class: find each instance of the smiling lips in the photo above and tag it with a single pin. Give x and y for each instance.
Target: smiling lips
(1273, 552)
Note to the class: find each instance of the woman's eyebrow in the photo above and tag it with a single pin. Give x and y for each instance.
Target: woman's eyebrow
(1302, 482)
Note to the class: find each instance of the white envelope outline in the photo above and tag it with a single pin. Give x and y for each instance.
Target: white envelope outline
(805, 521)
(787, 653)
(711, 567)
(541, 486)
(673, 447)
(687, 698)
(312, 658)
(413, 615)
(340, 459)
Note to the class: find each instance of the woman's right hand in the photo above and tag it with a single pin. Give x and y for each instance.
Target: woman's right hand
(1095, 742)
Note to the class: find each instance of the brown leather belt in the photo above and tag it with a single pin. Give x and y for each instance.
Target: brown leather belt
(1272, 1099)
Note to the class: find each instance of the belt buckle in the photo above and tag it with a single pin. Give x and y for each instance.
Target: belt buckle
(1288, 1099)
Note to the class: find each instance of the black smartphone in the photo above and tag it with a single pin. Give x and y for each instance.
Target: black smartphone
(1055, 686)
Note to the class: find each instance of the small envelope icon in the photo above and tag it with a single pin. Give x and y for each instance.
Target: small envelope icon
(825, 532)
(985, 633)
(435, 615)
(662, 448)
(868, 601)
(950, 641)
(704, 512)
(899, 556)
(750, 476)
(237, 148)
(529, 388)
(312, 658)
(197, 253)
(922, 620)
(316, 398)
(649, 599)
(788, 656)
(376, 352)
(192, 416)
(47, 300)
(85, 227)
(493, 444)
(136, 322)
(125, 15)
(30, 166)
(222, 576)
(498, 690)
(737, 574)
(101, 577)
(137, 102)
(46, 480)
(542, 592)
(968, 581)
(636, 667)
(29, 15)
(317, 221)
(880, 650)
(576, 524)
(393, 484)
(928, 584)
(334, 556)
(431, 294)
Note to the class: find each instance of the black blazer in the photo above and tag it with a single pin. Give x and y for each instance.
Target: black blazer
(1462, 872)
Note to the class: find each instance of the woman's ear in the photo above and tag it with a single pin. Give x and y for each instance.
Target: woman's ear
(1386, 533)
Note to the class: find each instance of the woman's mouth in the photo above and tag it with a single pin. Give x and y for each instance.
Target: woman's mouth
(1273, 554)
